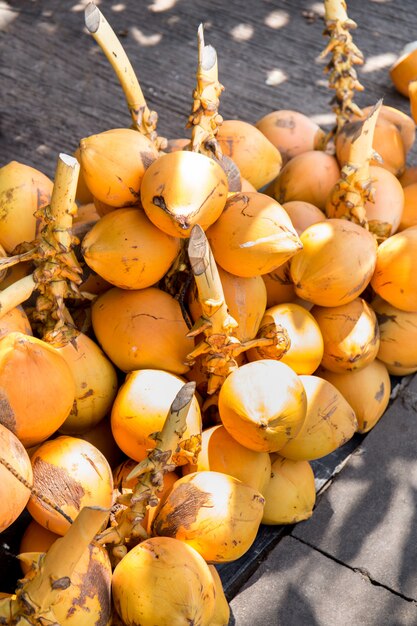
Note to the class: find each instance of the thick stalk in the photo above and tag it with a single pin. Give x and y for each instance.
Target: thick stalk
(16, 293)
(354, 189)
(150, 473)
(144, 120)
(37, 594)
(345, 55)
(220, 347)
(205, 118)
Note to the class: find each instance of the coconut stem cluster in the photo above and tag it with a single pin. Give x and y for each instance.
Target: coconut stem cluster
(150, 473)
(36, 595)
(350, 194)
(219, 348)
(345, 55)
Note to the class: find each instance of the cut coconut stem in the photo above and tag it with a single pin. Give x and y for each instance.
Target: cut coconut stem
(205, 118)
(150, 473)
(345, 55)
(220, 347)
(144, 120)
(37, 594)
(348, 198)
(16, 294)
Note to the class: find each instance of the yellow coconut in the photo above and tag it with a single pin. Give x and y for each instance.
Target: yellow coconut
(221, 615)
(398, 330)
(350, 334)
(216, 514)
(141, 407)
(330, 422)
(291, 494)
(309, 176)
(279, 286)
(262, 405)
(83, 195)
(166, 582)
(182, 189)
(71, 473)
(336, 263)
(95, 384)
(220, 452)
(13, 494)
(142, 328)
(246, 301)
(303, 214)
(395, 276)
(253, 236)
(291, 132)
(366, 390)
(23, 191)
(36, 538)
(113, 164)
(257, 158)
(87, 599)
(128, 251)
(306, 342)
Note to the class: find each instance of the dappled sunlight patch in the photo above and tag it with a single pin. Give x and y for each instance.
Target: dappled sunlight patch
(7, 15)
(378, 62)
(117, 8)
(82, 4)
(277, 19)
(143, 39)
(242, 32)
(162, 5)
(276, 76)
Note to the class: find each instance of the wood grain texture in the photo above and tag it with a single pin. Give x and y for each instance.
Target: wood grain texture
(57, 86)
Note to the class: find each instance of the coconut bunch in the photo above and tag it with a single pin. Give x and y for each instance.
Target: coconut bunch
(216, 311)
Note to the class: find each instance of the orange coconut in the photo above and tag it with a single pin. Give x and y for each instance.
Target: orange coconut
(350, 335)
(31, 374)
(291, 132)
(245, 298)
(395, 276)
(409, 214)
(291, 493)
(253, 236)
(101, 437)
(15, 320)
(142, 328)
(309, 176)
(182, 189)
(72, 473)
(366, 390)
(336, 263)
(257, 158)
(113, 164)
(330, 422)
(83, 195)
(127, 250)
(220, 452)
(387, 207)
(303, 214)
(306, 342)
(279, 286)
(14, 495)
(141, 407)
(409, 176)
(404, 69)
(262, 405)
(36, 538)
